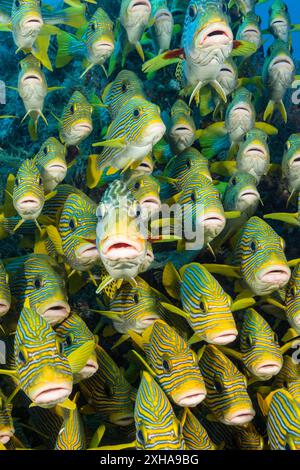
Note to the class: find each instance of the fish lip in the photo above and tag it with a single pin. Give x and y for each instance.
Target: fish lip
(252, 29)
(295, 161)
(89, 250)
(33, 21)
(29, 202)
(32, 77)
(182, 129)
(121, 247)
(89, 369)
(137, 5)
(278, 21)
(5, 436)
(154, 133)
(4, 307)
(147, 321)
(249, 194)
(204, 37)
(124, 421)
(55, 312)
(217, 219)
(145, 167)
(270, 368)
(163, 15)
(191, 400)
(242, 108)
(83, 126)
(225, 337)
(56, 166)
(257, 151)
(49, 395)
(240, 418)
(277, 275)
(280, 60)
(152, 203)
(104, 46)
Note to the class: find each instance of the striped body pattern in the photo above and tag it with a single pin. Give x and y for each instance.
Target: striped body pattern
(207, 304)
(174, 364)
(189, 162)
(145, 190)
(125, 86)
(283, 425)
(157, 427)
(28, 192)
(71, 435)
(37, 278)
(99, 30)
(292, 299)
(5, 295)
(43, 370)
(77, 228)
(259, 251)
(259, 346)
(23, 10)
(289, 164)
(181, 130)
(227, 398)
(76, 120)
(195, 435)
(289, 377)
(248, 438)
(6, 422)
(139, 307)
(108, 392)
(51, 163)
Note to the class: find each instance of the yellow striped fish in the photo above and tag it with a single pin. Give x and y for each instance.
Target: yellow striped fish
(145, 189)
(71, 436)
(157, 427)
(51, 163)
(6, 422)
(289, 377)
(248, 438)
(227, 399)
(173, 364)
(181, 128)
(163, 25)
(129, 139)
(76, 123)
(194, 434)
(290, 162)
(5, 295)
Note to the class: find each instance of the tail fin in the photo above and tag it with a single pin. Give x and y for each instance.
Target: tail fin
(32, 129)
(270, 109)
(74, 16)
(68, 47)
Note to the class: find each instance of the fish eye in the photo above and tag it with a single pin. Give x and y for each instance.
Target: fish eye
(46, 150)
(202, 306)
(38, 283)
(140, 437)
(72, 224)
(21, 357)
(73, 109)
(136, 113)
(249, 341)
(124, 87)
(192, 11)
(276, 339)
(253, 246)
(218, 386)
(59, 346)
(108, 390)
(224, 7)
(93, 26)
(188, 164)
(17, 182)
(40, 182)
(100, 212)
(166, 365)
(193, 197)
(69, 340)
(234, 181)
(137, 185)
(136, 298)
(269, 52)
(17, 3)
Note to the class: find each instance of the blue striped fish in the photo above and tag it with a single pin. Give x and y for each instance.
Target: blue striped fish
(76, 123)
(292, 301)
(227, 399)
(248, 438)
(107, 392)
(289, 164)
(145, 189)
(71, 435)
(51, 163)
(129, 139)
(194, 434)
(181, 129)
(206, 307)
(157, 427)
(6, 422)
(173, 364)
(79, 346)
(289, 377)
(42, 368)
(5, 295)
(37, 278)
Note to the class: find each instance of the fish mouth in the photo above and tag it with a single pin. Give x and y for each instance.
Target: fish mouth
(227, 70)
(104, 47)
(269, 368)
(277, 275)
(120, 248)
(216, 34)
(140, 5)
(225, 337)
(295, 161)
(163, 15)
(29, 205)
(242, 109)
(154, 133)
(89, 250)
(255, 152)
(239, 418)
(83, 127)
(191, 400)
(213, 220)
(4, 307)
(33, 23)
(152, 204)
(182, 132)
(49, 395)
(89, 369)
(282, 60)
(5, 436)
(55, 313)
(32, 78)
(145, 167)
(249, 196)
(56, 168)
(278, 22)
(121, 420)
(147, 321)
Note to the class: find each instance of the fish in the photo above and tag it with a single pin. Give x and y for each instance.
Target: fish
(120, 240)
(172, 363)
(207, 42)
(259, 349)
(163, 24)
(283, 416)
(94, 43)
(194, 433)
(227, 399)
(290, 163)
(42, 369)
(278, 76)
(206, 307)
(75, 124)
(157, 427)
(5, 294)
(108, 393)
(37, 278)
(178, 10)
(280, 24)
(7, 429)
(134, 17)
(292, 299)
(248, 438)
(250, 29)
(145, 190)
(79, 344)
(181, 128)
(71, 435)
(51, 163)
(125, 86)
(129, 139)
(245, 6)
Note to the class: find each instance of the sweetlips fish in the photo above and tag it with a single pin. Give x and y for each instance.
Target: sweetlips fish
(32, 26)
(5, 295)
(42, 370)
(145, 190)
(283, 420)
(129, 139)
(259, 259)
(135, 15)
(248, 438)
(249, 30)
(194, 433)
(181, 128)
(289, 377)
(207, 41)
(291, 161)
(157, 427)
(245, 6)
(37, 278)
(125, 86)
(121, 244)
(51, 163)
(79, 346)
(71, 435)
(108, 393)
(206, 307)
(280, 24)
(6, 422)
(277, 76)
(173, 364)
(292, 300)
(240, 118)
(76, 123)
(227, 399)
(259, 349)
(163, 24)
(94, 43)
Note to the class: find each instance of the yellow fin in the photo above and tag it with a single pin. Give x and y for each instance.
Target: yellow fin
(291, 219)
(78, 358)
(171, 280)
(119, 143)
(174, 309)
(224, 270)
(226, 168)
(55, 238)
(267, 128)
